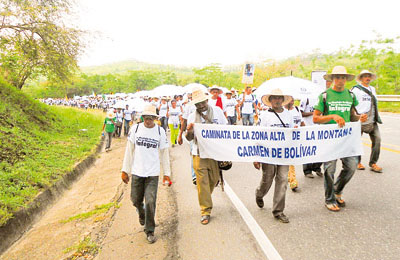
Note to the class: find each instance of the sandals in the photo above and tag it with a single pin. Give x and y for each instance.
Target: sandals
(340, 201)
(332, 207)
(205, 219)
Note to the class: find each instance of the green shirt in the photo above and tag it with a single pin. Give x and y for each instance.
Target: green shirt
(109, 125)
(338, 103)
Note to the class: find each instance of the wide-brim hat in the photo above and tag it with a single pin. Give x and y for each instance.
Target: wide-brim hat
(339, 70)
(149, 110)
(110, 115)
(373, 76)
(198, 96)
(275, 92)
(215, 87)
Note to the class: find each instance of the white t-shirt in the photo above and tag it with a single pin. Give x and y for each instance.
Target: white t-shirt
(163, 110)
(248, 104)
(173, 115)
(219, 118)
(213, 102)
(147, 141)
(296, 116)
(119, 116)
(188, 110)
(128, 114)
(307, 105)
(230, 106)
(364, 100)
(269, 119)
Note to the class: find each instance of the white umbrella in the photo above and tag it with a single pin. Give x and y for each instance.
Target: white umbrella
(296, 87)
(189, 87)
(167, 90)
(136, 104)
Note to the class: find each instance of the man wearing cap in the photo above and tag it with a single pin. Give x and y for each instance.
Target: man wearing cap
(206, 170)
(276, 116)
(368, 104)
(249, 107)
(147, 146)
(109, 125)
(337, 106)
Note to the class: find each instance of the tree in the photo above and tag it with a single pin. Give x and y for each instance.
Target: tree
(34, 40)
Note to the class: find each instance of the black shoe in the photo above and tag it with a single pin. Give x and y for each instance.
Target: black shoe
(150, 238)
(194, 181)
(319, 173)
(309, 175)
(260, 202)
(141, 220)
(282, 218)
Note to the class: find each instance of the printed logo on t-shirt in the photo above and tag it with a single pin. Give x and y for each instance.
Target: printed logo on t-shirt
(341, 106)
(146, 142)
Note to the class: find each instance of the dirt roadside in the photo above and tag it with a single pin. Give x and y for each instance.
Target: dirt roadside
(97, 201)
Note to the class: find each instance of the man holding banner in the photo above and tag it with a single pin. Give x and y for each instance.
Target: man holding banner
(337, 105)
(276, 116)
(206, 169)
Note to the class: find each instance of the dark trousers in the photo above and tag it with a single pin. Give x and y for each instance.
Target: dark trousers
(375, 137)
(231, 120)
(126, 126)
(118, 130)
(164, 122)
(145, 189)
(312, 167)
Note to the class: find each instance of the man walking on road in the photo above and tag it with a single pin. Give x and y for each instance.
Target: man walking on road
(109, 126)
(249, 107)
(368, 104)
(127, 118)
(207, 170)
(337, 105)
(147, 145)
(276, 116)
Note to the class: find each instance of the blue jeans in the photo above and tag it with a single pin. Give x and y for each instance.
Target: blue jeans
(126, 126)
(248, 119)
(347, 172)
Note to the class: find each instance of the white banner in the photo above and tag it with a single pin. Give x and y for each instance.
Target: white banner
(282, 146)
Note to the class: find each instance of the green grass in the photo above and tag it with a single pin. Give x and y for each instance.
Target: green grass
(38, 145)
(83, 248)
(393, 107)
(97, 210)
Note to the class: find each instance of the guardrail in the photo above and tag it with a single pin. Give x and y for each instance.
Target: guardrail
(388, 98)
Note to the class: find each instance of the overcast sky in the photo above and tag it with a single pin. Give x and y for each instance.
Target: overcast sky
(188, 32)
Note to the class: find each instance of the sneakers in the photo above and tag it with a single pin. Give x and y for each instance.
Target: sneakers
(340, 201)
(260, 202)
(309, 175)
(150, 238)
(360, 167)
(282, 218)
(376, 168)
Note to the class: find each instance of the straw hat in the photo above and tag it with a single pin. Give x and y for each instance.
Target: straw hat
(215, 87)
(149, 110)
(198, 96)
(373, 76)
(339, 70)
(275, 92)
(110, 114)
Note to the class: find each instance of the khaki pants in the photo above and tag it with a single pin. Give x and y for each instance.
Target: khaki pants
(280, 172)
(207, 174)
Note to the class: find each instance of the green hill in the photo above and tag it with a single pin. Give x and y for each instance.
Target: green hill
(38, 145)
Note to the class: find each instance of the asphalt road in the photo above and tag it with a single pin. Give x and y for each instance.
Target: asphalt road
(367, 228)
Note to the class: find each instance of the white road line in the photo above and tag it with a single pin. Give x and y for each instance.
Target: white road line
(263, 241)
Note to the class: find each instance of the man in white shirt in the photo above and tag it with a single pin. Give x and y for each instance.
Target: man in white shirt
(276, 116)
(127, 118)
(147, 144)
(232, 109)
(249, 107)
(162, 112)
(207, 170)
(368, 104)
